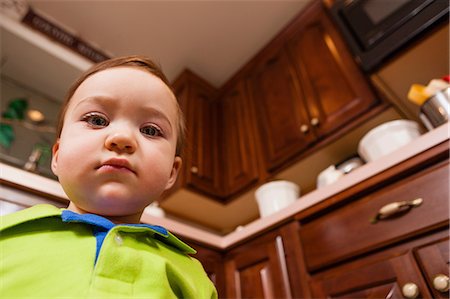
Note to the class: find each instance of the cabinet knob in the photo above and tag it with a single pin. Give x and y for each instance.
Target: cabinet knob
(304, 128)
(410, 290)
(314, 122)
(194, 169)
(440, 283)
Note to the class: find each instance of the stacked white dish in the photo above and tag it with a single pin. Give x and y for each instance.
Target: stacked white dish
(386, 138)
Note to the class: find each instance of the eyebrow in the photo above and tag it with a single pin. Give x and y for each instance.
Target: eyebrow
(107, 101)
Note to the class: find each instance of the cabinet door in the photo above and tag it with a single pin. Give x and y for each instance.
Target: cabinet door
(434, 259)
(212, 262)
(258, 270)
(381, 279)
(237, 144)
(281, 117)
(201, 153)
(335, 89)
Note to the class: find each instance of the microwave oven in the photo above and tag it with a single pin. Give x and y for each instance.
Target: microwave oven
(376, 29)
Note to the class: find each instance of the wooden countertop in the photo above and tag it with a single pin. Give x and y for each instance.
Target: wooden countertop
(28, 181)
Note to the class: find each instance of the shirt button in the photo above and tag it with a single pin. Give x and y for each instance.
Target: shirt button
(118, 239)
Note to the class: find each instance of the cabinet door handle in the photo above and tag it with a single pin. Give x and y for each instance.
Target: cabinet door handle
(304, 128)
(194, 169)
(394, 208)
(315, 122)
(441, 283)
(410, 290)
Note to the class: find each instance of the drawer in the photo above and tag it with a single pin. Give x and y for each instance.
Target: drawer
(348, 231)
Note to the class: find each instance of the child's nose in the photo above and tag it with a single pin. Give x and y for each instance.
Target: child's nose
(120, 142)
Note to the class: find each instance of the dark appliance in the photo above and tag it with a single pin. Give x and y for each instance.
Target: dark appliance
(375, 29)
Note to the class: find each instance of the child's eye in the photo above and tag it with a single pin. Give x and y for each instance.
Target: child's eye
(95, 120)
(151, 131)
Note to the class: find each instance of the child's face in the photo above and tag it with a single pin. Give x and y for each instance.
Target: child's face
(116, 152)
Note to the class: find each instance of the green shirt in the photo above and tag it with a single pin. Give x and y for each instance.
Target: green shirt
(42, 256)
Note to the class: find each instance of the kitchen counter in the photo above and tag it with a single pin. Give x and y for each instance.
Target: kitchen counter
(31, 182)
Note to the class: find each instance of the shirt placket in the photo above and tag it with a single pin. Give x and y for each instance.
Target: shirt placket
(118, 266)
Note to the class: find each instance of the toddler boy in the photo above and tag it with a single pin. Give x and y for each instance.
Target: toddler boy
(119, 142)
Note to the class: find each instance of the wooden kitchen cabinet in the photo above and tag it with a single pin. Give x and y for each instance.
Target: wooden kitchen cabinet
(333, 249)
(198, 103)
(262, 268)
(391, 273)
(298, 93)
(335, 89)
(380, 279)
(434, 260)
(220, 153)
(281, 114)
(305, 86)
(346, 255)
(237, 142)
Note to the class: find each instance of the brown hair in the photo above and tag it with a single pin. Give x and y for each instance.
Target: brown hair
(140, 62)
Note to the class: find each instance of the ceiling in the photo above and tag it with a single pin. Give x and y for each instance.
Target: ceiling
(212, 38)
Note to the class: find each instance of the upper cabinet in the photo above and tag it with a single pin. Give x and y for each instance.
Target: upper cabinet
(298, 93)
(220, 156)
(236, 141)
(278, 101)
(197, 101)
(306, 87)
(335, 89)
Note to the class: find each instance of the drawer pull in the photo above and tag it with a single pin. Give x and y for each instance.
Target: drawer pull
(440, 283)
(394, 208)
(410, 290)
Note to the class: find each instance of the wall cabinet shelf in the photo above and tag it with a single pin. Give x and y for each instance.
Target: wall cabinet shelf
(40, 71)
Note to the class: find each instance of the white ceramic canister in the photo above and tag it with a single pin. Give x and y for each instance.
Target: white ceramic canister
(276, 195)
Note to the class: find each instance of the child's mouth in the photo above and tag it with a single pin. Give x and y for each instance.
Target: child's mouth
(116, 165)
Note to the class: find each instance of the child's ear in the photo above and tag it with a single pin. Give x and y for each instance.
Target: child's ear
(55, 150)
(174, 173)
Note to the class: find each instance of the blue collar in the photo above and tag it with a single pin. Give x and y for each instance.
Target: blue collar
(101, 226)
(101, 223)
(41, 211)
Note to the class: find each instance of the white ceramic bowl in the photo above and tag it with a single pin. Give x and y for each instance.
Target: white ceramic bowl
(274, 196)
(386, 138)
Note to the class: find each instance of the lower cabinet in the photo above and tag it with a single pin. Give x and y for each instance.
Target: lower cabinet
(434, 263)
(261, 268)
(389, 242)
(395, 275)
(373, 240)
